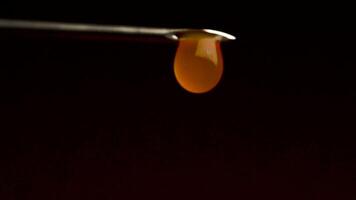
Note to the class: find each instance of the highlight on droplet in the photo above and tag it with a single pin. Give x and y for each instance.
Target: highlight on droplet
(198, 64)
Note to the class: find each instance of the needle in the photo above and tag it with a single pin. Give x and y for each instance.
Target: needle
(169, 33)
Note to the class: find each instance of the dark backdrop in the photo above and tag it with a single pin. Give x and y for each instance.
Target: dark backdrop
(96, 118)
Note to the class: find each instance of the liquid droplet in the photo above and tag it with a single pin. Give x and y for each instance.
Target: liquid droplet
(198, 64)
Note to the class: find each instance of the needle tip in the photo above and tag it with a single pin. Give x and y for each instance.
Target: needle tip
(179, 33)
(220, 33)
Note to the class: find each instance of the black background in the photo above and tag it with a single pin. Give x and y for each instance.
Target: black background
(98, 118)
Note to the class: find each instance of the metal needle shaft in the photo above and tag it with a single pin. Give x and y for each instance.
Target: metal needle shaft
(112, 29)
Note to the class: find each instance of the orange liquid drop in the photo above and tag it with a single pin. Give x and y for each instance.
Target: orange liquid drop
(198, 64)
